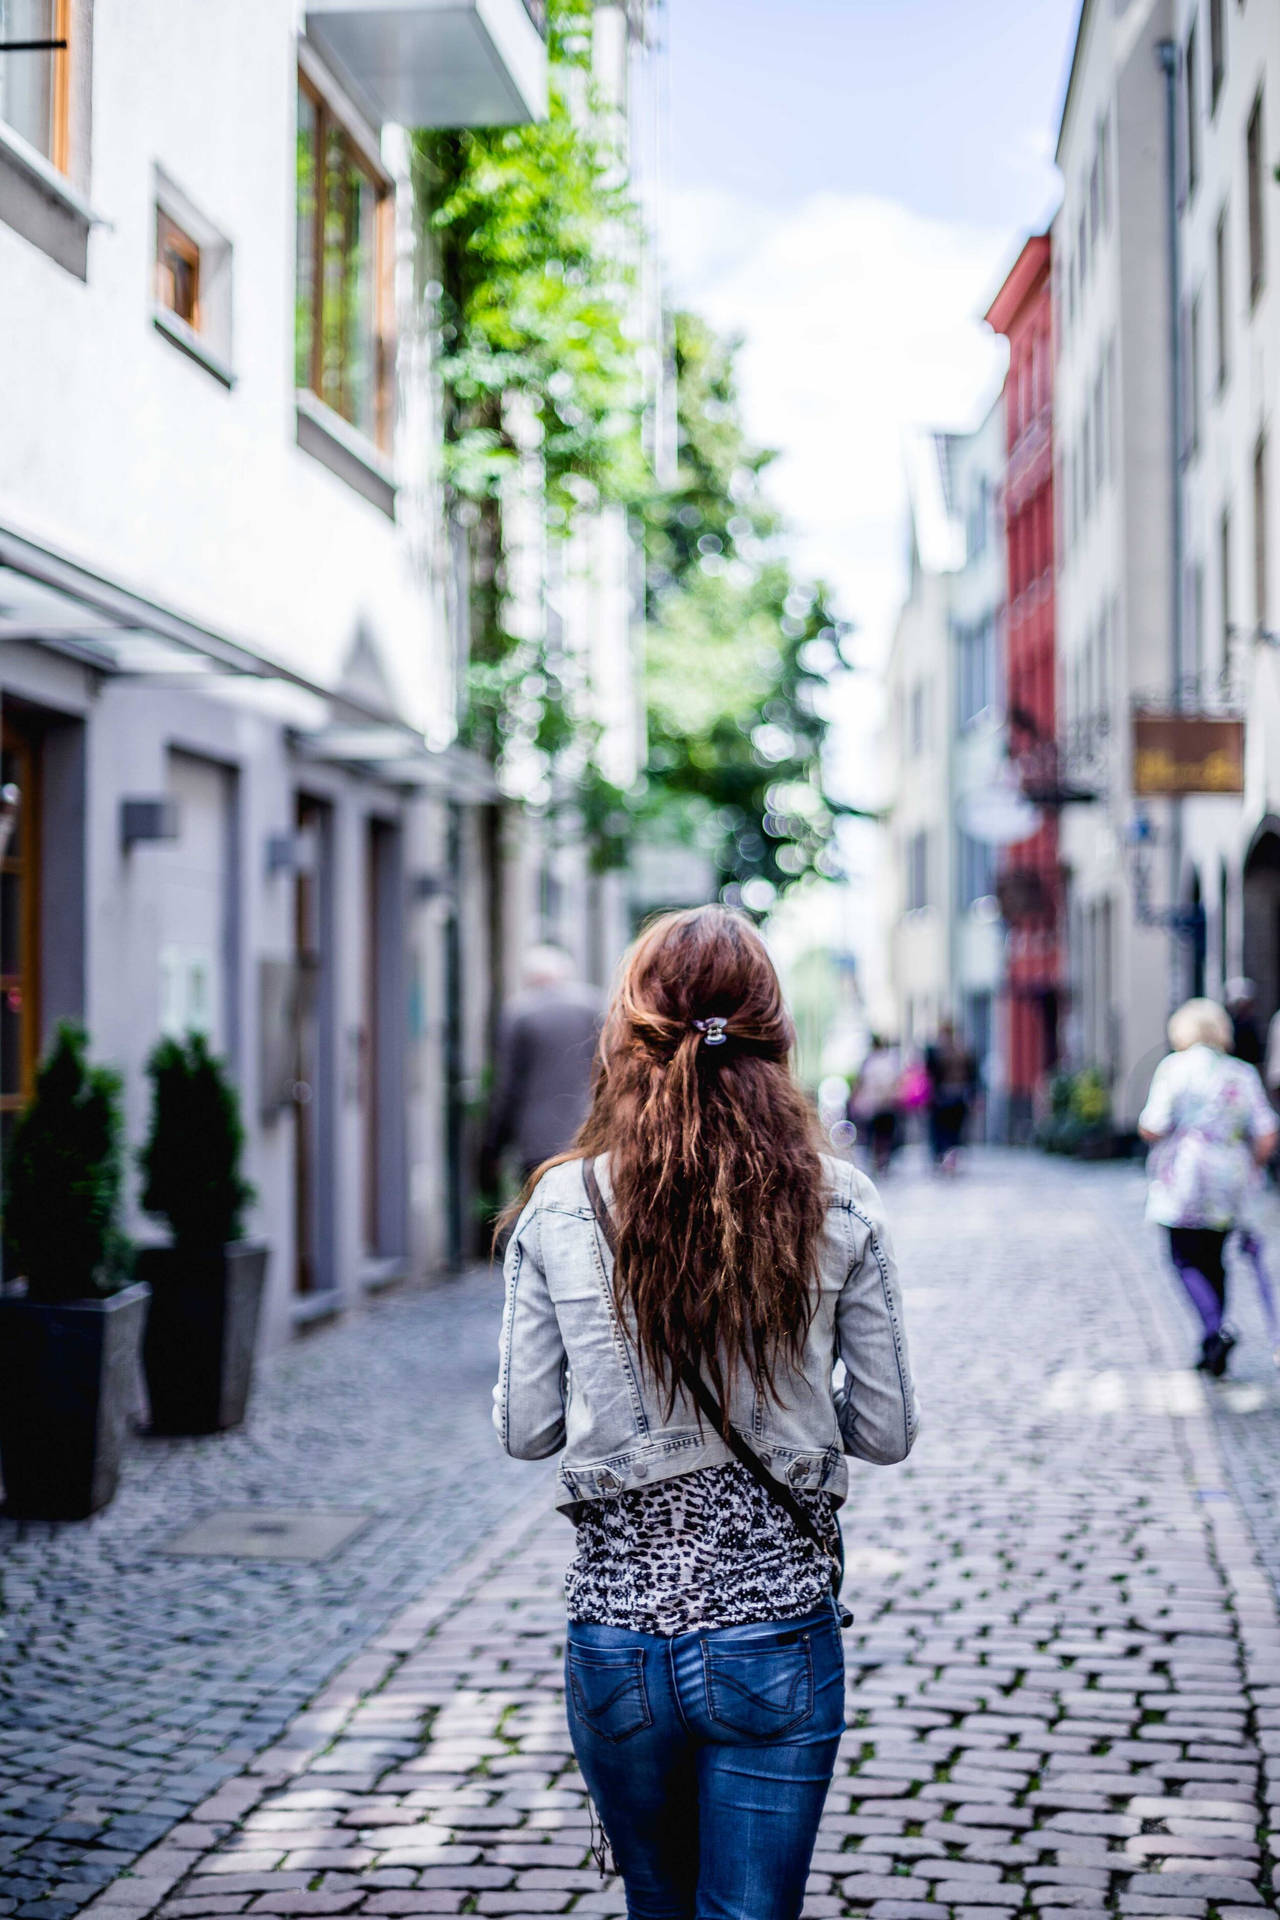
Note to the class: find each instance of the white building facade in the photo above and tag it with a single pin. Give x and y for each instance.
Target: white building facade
(1165, 403)
(944, 937)
(227, 672)
(978, 597)
(1229, 100)
(1113, 490)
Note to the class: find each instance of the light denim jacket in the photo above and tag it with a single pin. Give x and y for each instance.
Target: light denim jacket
(570, 1376)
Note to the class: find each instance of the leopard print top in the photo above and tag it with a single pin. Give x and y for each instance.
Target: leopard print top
(707, 1549)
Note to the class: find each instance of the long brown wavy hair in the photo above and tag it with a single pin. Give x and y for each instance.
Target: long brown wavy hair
(719, 1192)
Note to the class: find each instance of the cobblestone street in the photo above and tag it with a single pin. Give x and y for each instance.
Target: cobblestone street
(1063, 1681)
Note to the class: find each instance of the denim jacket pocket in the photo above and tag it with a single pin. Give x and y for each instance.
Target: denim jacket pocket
(762, 1692)
(608, 1690)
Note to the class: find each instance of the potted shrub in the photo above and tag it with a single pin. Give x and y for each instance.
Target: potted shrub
(69, 1321)
(206, 1286)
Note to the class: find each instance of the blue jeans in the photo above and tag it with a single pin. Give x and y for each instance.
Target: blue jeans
(708, 1756)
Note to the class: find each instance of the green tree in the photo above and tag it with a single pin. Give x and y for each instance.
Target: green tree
(530, 236)
(738, 651)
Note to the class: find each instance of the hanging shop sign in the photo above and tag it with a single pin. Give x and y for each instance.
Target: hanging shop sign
(1177, 753)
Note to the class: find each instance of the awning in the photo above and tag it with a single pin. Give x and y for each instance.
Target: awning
(49, 601)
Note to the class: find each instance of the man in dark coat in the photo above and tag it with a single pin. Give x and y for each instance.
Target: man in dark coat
(546, 1047)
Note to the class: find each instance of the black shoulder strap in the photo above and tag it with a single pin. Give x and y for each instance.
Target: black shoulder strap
(706, 1400)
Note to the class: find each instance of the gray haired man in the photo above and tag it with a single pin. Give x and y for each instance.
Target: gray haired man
(546, 1047)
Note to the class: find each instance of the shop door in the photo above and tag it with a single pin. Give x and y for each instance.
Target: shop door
(313, 1051)
(192, 875)
(19, 920)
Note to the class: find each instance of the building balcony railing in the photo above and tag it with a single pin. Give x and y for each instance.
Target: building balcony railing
(437, 63)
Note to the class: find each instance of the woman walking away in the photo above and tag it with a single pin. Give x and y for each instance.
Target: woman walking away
(875, 1101)
(679, 1288)
(1210, 1126)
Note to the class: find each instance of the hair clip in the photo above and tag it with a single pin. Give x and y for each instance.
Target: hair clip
(713, 1030)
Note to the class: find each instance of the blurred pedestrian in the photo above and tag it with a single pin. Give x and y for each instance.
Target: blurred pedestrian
(1210, 1127)
(1247, 1042)
(953, 1074)
(693, 1271)
(546, 1050)
(875, 1103)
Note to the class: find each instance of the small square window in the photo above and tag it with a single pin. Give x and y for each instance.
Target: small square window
(191, 280)
(177, 271)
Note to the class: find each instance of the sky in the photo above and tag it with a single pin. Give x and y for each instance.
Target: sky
(848, 181)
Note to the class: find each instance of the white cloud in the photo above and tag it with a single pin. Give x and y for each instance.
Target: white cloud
(860, 319)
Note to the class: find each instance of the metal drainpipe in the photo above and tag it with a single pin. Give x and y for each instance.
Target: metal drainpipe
(1167, 54)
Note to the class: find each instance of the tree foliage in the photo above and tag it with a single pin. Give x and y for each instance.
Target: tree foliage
(738, 651)
(531, 235)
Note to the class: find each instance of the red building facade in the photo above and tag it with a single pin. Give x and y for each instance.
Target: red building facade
(1030, 884)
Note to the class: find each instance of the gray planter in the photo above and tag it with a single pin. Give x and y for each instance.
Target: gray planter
(66, 1381)
(202, 1328)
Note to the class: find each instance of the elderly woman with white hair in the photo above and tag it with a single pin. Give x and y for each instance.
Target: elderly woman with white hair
(1210, 1127)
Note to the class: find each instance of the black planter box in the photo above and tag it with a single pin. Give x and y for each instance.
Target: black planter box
(202, 1327)
(66, 1382)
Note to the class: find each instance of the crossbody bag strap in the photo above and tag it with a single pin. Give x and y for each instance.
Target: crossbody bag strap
(706, 1400)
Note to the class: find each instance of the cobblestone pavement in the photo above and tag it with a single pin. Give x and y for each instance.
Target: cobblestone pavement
(1063, 1681)
(133, 1682)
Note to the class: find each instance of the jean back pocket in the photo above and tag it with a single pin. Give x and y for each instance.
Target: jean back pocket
(608, 1690)
(762, 1692)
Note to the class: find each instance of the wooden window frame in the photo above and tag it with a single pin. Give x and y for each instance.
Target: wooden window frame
(329, 119)
(60, 145)
(59, 151)
(170, 236)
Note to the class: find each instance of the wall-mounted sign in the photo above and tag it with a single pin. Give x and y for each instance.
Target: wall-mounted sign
(1176, 753)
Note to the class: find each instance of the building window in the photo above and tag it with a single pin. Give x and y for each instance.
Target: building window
(1095, 194)
(1224, 584)
(1193, 608)
(343, 260)
(191, 280)
(916, 719)
(34, 74)
(1217, 53)
(976, 864)
(177, 271)
(1253, 171)
(1260, 531)
(1082, 248)
(1192, 82)
(975, 646)
(917, 872)
(1193, 377)
(1220, 297)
